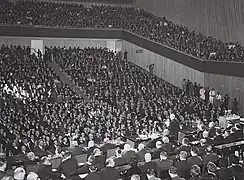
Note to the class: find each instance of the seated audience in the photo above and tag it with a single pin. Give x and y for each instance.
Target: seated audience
(183, 166)
(110, 172)
(163, 165)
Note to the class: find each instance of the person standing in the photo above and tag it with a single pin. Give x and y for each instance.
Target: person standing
(184, 85)
(235, 106)
(174, 126)
(211, 95)
(218, 99)
(202, 93)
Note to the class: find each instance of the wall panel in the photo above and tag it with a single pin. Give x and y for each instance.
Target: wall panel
(15, 41)
(164, 68)
(222, 19)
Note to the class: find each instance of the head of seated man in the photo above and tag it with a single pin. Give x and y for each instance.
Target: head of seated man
(183, 156)
(163, 155)
(135, 177)
(32, 176)
(148, 157)
(19, 173)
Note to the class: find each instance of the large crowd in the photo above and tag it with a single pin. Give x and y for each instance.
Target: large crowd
(41, 116)
(138, 21)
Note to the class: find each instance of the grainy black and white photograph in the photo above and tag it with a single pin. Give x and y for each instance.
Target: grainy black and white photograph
(121, 90)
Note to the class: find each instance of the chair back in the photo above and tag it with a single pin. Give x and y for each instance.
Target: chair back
(32, 168)
(55, 162)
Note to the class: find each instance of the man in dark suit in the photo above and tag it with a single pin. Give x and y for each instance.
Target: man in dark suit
(45, 170)
(163, 165)
(184, 146)
(210, 156)
(202, 147)
(205, 135)
(119, 160)
(128, 153)
(68, 166)
(235, 168)
(109, 172)
(91, 147)
(174, 126)
(183, 167)
(218, 139)
(167, 146)
(149, 164)
(173, 174)
(195, 159)
(85, 168)
(158, 150)
(40, 150)
(239, 131)
(99, 159)
(3, 165)
(54, 148)
(93, 175)
(76, 150)
(141, 152)
(212, 130)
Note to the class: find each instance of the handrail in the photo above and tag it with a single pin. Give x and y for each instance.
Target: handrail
(124, 30)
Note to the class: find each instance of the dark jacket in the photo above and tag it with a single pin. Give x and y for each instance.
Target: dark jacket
(218, 140)
(162, 167)
(120, 161)
(195, 160)
(68, 167)
(109, 173)
(93, 176)
(183, 168)
(45, 172)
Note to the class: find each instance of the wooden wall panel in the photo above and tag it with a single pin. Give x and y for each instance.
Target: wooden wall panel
(233, 86)
(222, 19)
(164, 68)
(15, 41)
